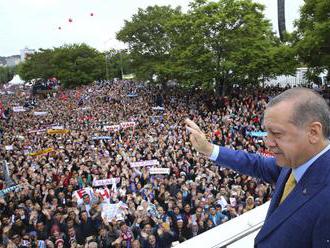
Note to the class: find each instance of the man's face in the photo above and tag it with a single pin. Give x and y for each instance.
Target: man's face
(16, 239)
(58, 216)
(152, 239)
(40, 226)
(84, 216)
(288, 143)
(187, 208)
(147, 228)
(5, 221)
(71, 232)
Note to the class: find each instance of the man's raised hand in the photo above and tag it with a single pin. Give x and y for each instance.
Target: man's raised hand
(198, 138)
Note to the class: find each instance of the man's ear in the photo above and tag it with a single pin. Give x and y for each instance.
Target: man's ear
(315, 132)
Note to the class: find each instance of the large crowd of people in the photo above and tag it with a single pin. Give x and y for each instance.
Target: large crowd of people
(79, 162)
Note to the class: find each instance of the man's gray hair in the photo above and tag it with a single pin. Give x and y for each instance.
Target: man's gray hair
(309, 106)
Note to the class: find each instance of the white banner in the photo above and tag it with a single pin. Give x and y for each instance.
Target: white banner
(57, 127)
(19, 109)
(125, 125)
(104, 182)
(153, 171)
(158, 108)
(38, 131)
(104, 194)
(112, 128)
(9, 148)
(144, 163)
(113, 211)
(81, 192)
(41, 113)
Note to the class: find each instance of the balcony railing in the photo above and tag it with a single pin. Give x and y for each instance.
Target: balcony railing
(238, 232)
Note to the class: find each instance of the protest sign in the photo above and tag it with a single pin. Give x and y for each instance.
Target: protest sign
(154, 171)
(42, 152)
(158, 108)
(128, 124)
(113, 211)
(10, 189)
(257, 134)
(102, 138)
(38, 131)
(58, 131)
(132, 95)
(9, 148)
(19, 109)
(144, 163)
(104, 195)
(54, 126)
(112, 128)
(104, 182)
(78, 194)
(41, 113)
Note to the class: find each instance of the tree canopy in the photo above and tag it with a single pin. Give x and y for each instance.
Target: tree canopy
(312, 37)
(72, 64)
(7, 74)
(148, 39)
(214, 44)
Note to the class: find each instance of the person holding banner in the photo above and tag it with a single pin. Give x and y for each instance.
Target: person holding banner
(298, 125)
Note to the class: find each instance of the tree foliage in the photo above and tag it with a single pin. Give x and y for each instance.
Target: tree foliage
(312, 38)
(72, 64)
(148, 40)
(213, 45)
(7, 74)
(229, 42)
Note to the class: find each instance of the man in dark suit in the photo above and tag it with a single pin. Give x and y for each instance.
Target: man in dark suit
(298, 126)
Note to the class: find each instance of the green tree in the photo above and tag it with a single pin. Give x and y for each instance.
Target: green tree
(78, 64)
(226, 42)
(72, 64)
(7, 74)
(38, 65)
(149, 43)
(312, 38)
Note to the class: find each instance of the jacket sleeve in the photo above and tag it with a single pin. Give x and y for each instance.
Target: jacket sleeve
(249, 164)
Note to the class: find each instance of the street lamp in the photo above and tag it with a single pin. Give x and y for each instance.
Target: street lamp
(117, 46)
(121, 64)
(106, 66)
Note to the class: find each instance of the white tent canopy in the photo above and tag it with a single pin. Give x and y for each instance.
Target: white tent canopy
(16, 81)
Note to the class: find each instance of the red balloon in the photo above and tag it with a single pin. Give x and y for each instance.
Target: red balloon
(70, 20)
(92, 14)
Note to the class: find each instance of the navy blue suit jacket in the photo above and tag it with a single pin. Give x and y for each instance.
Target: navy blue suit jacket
(303, 218)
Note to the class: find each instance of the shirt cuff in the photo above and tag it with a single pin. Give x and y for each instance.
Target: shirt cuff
(215, 152)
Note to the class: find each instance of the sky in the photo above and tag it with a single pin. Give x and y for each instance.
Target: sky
(35, 23)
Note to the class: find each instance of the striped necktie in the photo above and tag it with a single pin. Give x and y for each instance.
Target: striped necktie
(289, 186)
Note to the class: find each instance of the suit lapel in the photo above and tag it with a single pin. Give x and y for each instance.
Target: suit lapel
(293, 202)
(311, 183)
